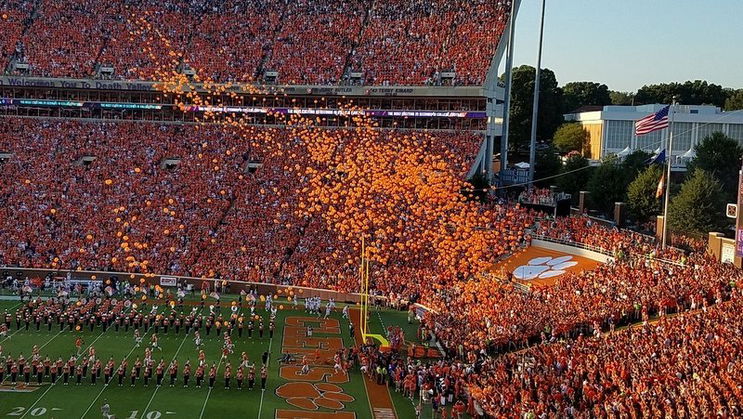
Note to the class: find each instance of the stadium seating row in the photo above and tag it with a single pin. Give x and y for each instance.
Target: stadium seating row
(178, 199)
(208, 201)
(306, 41)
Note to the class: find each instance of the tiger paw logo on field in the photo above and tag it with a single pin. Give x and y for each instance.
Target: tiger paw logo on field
(311, 396)
(544, 267)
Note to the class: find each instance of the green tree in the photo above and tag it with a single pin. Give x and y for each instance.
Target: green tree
(574, 175)
(641, 194)
(699, 206)
(621, 98)
(584, 93)
(719, 155)
(570, 137)
(734, 100)
(547, 165)
(696, 92)
(522, 97)
(634, 163)
(607, 185)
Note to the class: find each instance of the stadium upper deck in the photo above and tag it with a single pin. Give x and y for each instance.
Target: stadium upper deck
(308, 42)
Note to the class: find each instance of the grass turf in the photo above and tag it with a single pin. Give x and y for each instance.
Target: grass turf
(72, 401)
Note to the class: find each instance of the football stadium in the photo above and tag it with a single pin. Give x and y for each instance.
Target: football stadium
(306, 209)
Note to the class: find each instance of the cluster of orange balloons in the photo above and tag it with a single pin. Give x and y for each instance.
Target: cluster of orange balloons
(388, 188)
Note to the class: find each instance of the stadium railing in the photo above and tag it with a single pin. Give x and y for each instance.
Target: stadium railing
(600, 249)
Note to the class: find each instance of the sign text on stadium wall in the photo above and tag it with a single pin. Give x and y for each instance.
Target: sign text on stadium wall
(73, 84)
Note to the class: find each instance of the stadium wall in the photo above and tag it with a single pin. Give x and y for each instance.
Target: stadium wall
(99, 277)
(311, 90)
(575, 249)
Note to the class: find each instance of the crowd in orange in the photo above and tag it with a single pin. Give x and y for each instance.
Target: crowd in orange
(685, 366)
(305, 41)
(637, 284)
(11, 23)
(586, 231)
(94, 195)
(573, 368)
(99, 196)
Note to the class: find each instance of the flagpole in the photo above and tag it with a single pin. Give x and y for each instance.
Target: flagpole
(669, 153)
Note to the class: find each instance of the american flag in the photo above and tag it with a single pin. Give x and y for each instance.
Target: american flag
(652, 122)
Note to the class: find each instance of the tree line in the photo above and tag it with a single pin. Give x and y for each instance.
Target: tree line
(698, 197)
(556, 100)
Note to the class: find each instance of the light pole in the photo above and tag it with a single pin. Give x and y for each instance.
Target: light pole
(507, 90)
(535, 106)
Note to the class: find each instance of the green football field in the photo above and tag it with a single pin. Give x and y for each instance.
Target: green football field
(152, 402)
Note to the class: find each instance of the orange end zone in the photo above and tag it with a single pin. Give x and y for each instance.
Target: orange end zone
(541, 267)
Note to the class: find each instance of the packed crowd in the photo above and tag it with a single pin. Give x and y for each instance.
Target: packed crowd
(684, 366)
(287, 205)
(642, 281)
(539, 196)
(618, 242)
(101, 196)
(306, 42)
(12, 18)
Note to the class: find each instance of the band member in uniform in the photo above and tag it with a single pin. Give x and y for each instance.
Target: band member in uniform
(199, 375)
(94, 372)
(121, 371)
(147, 374)
(239, 377)
(154, 340)
(227, 375)
(160, 372)
(78, 345)
(27, 374)
(57, 369)
(186, 373)
(133, 375)
(173, 370)
(67, 370)
(212, 375)
(79, 374)
(108, 370)
(137, 337)
(39, 375)
(47, 366)
(138, 366)
(264, 376)
(251, 377)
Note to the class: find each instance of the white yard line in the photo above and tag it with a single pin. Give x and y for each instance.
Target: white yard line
(209, 393)
(19, 329)
(58, 378)
(10, 335)
(185, 338)
(105, 386)
(263, 391)
(53, 337)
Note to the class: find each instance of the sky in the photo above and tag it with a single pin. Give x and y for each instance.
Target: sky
(626, 44)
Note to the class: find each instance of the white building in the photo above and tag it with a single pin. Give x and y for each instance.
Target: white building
(612, 128)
